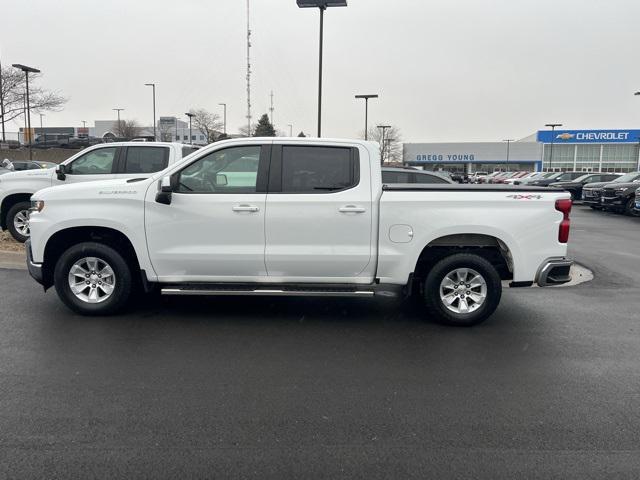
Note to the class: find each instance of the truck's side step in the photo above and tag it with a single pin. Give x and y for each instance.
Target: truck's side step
(266, 290)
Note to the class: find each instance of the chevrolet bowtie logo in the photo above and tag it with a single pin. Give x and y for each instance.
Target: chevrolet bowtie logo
(565, 136)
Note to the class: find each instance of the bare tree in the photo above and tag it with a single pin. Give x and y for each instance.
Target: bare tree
(392, 143)
(13, 91)
(208, 123)
(127, 128)
(167, 131)
(243, 130)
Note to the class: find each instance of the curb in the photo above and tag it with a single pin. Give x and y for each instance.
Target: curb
(13, 260)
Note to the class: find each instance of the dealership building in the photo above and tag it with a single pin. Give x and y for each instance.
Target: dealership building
(559, 150)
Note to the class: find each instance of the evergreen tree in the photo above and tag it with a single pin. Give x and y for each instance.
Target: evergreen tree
(301, 134)
(264, 128)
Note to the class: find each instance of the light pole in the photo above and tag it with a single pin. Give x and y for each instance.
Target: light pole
(224, 127)
(153, 85)
(322, 6)
(553, 128)
(45, 135)
(290, 129)
(190, 115)
(26, 71)
(2, 104)
(508, 140)
(384, 129)
(366, 112)
(118, 110)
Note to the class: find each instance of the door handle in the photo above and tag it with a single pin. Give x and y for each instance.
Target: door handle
(245, 208)
(352, 209)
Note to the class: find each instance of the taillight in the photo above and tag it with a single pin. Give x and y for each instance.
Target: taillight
(564, 206)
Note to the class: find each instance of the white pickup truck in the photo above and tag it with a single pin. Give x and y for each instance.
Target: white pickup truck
(100, 162)
(280, 216)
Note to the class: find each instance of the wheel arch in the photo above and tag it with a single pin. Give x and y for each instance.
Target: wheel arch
(66, 238)
(487, 246)
(8, 202)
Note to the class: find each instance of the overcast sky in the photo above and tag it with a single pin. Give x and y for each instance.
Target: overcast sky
(445, 70)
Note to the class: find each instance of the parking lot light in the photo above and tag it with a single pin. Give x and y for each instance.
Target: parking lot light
(190, 115)
(27, 71)
(322, 5)
(366, 112)
(553, 128)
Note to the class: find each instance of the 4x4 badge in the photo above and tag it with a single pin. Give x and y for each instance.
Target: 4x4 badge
(525, 197)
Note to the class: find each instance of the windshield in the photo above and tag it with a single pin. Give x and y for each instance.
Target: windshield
(583, 177)
(568, 176)
(629, 177)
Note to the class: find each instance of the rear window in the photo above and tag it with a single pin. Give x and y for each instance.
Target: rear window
(146, 159)
(317, 169)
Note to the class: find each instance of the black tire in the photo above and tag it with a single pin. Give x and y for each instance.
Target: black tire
(123, 279)
(431, 290)
(11, 214)
(629, 208)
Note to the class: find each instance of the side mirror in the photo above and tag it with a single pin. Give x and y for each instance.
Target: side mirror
(61, 172)
(166, 187)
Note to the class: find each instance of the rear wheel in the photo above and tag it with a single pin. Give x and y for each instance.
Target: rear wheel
(93, 279)
(462, 290)
(18, 221)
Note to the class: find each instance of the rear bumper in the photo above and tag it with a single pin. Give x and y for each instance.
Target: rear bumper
(554, 271)
(35, 269)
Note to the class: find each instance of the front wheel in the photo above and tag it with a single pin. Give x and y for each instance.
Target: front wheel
(93, 279)
(630, 207)
(18, 221)
(462, 290)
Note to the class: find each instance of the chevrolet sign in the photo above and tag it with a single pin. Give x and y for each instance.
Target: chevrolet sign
(589, 136)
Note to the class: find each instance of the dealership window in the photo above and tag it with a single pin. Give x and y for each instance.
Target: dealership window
(563, 156)
(587, 158)
(619, 157)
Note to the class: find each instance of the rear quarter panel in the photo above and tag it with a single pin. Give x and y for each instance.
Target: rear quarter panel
(527, 223)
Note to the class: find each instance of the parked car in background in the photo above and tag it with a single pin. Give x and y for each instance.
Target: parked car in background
(620, 196)
(592, 192)
(100, 162)
(560, 177)
(574, 187)
(519, 179)
(637, 207)
(45, 164)
(9, 145)
(20, 165)
(536, 176)
(487, 178)
(476, 176)
(410, 175)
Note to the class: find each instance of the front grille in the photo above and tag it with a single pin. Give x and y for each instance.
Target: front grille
(609, 192)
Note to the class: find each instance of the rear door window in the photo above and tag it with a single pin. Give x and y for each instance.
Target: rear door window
(316, 169)
(146, 159)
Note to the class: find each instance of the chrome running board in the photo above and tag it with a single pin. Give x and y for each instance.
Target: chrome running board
(267, 292)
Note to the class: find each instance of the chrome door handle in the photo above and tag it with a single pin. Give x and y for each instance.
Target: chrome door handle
(352, 209)
(245, 208)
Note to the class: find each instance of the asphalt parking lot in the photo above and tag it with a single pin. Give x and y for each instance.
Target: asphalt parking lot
(549, 387)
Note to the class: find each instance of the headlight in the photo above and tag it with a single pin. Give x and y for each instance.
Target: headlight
(37, 205)
(621, 190)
